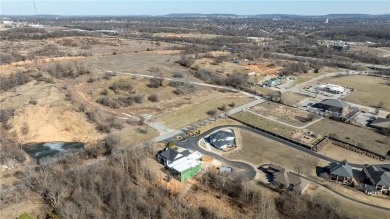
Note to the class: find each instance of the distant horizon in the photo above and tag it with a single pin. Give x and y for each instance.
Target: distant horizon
(166, 7)
(190, 14)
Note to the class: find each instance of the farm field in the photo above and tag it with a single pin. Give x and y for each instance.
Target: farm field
(259, 150)
(369, 139)
(369, 90)
(271, 126)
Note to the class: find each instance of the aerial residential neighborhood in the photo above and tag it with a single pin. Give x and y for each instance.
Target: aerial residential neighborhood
(201, 109)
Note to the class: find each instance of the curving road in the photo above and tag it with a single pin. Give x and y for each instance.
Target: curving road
(192, 143)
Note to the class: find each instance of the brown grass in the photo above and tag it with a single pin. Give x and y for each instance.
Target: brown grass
(259, 150)
(197, 111)
(352, 134)
(369, 90)
(266, 124)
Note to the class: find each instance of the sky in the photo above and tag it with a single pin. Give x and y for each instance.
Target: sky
(163, 7)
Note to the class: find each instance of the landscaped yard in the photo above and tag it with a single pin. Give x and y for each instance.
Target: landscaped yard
(268, 125)
(369, 139)
(260, 150)
(369, 90)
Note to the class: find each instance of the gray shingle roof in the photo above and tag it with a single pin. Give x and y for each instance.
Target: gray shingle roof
(341, 169)
(171, 154)
(334, 103)
(378, 174)
(220, 138)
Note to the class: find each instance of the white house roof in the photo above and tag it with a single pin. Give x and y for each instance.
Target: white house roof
(185, 162)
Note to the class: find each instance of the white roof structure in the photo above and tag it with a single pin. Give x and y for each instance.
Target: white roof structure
(186, 162)
(332, 87)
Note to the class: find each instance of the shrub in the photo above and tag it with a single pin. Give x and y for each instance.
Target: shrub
(153, 98)
(155, 83)
(106, 101)
(211, 112)
(138, 98)
(232, 104)
(121, 85)
(178, 75)
(26, 216)
(178, 91)
(222, 108)
(104, 92)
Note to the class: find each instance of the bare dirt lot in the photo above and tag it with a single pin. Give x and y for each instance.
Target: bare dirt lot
(369, 139)
(283, 113)
(369, 90)
(51, 119)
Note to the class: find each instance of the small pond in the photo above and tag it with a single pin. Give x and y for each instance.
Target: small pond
(41, 150)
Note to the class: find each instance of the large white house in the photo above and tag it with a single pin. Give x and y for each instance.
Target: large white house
(183, 163)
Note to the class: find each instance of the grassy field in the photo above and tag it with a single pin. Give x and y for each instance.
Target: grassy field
(370, 50)
(131, 135)
(352, 134)
(369, 90)
(266, 124)
(293, 98)
(339, 153)
(260, 150)
(281, 113)
(195, 112)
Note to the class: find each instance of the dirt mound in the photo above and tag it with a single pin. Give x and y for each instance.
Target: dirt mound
(52, 123)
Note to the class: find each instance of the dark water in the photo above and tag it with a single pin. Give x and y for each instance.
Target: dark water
(41, 150)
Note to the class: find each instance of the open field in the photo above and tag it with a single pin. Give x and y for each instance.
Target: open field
(195, 112)
(339, 153)
(369, 90)
(131, 135)
(259, 150)
(371, 50)
(369, 139)
(65, 48)
(221, 68)
(282, 113)
(350, 208)
(265, 124)
(186, 35)
(293, 98)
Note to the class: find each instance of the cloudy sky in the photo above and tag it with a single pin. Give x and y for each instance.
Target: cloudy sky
(162, 7)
